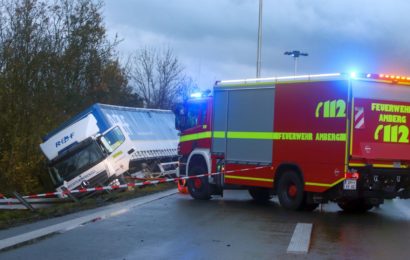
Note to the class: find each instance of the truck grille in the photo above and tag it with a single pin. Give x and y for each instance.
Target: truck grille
(98, 180)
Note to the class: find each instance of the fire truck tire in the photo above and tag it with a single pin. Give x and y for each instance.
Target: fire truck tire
(355, 206)
(199, 188)
(310, 206)
(260, 194)
(290, 191)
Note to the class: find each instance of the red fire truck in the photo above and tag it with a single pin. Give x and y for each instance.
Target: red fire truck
(307, 139)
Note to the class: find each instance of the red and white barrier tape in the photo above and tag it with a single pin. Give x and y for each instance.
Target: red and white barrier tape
(134, 184)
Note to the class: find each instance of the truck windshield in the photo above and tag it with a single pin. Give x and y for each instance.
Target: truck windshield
(113, 139)
(71, 166)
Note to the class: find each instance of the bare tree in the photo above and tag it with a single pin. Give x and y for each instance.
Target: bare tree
(55, 60)
(158, 77)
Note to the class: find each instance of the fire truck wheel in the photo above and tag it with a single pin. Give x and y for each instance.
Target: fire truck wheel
(355, 206)
(199, 188)
(290, 191)
(260, 194)
(310, 206)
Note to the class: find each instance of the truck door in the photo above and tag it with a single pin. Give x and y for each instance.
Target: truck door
(380, 122)
(117, 145)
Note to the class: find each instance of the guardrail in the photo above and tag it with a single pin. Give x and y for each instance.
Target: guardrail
(12, 203)
(35, 201)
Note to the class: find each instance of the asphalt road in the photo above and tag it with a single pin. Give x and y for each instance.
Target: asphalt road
(233, 227)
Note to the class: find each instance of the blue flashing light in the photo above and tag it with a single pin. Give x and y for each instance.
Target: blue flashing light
(353, 74)
(196, 95)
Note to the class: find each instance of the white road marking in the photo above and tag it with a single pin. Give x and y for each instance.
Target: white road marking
(74, 223)
(300, 240)
(405, 210)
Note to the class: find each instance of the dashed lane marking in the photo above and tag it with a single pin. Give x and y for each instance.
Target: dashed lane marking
(300, 241)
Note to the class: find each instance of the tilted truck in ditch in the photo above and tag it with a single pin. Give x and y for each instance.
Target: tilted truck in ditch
(311, 139)
(102, 143)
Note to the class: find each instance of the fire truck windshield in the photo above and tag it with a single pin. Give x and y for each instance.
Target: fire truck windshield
(188, 117)
(192, 116)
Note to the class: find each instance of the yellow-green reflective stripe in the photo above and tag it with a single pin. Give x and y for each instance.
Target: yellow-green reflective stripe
(288, 136)
(197, 136)
(377, 165)
(270, 135)
(291, 136)
(357, 164)
(247, 178)
(218, 134)
(251, 135)
(324, 184)
(388, 166)
(117, 154)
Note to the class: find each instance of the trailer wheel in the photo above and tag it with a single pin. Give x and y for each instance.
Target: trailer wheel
(199, 188)
(260, 194)
(290, 191)
(355, 205)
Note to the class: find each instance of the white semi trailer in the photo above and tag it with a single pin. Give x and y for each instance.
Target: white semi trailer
(102, 143)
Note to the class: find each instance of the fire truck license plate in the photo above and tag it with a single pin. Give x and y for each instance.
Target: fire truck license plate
(349, 184)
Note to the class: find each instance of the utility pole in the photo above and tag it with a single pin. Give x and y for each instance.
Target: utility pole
(296, 55)
(259, 48)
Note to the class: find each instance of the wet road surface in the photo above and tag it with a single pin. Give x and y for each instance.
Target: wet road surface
(233, 227)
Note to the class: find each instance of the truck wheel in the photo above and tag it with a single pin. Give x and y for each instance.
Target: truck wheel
(355, 205)
(260, 194)
(290, 191)
(199, 188)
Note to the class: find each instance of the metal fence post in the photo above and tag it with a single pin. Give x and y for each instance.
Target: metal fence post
(68, 193)
(23, 201)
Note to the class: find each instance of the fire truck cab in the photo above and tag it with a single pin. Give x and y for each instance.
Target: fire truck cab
(307, 139)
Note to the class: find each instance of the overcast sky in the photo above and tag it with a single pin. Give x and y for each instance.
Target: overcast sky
(217, 39)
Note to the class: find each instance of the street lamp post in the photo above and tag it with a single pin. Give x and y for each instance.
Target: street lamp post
(296, 55)
(259, 48)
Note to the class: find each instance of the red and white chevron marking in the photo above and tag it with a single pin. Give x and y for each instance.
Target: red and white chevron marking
(134, 184)
(359, 118)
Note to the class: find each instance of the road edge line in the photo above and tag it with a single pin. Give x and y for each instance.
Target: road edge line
(74, 223)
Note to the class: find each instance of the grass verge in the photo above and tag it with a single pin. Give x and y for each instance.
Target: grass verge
(12, 218)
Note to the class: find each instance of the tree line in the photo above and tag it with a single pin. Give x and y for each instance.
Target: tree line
(55, 60)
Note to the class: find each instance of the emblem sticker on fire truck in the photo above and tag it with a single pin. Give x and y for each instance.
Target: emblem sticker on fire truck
(392, 128)
(331, 109)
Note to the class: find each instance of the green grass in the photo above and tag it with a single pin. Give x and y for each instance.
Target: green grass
(12, 218)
